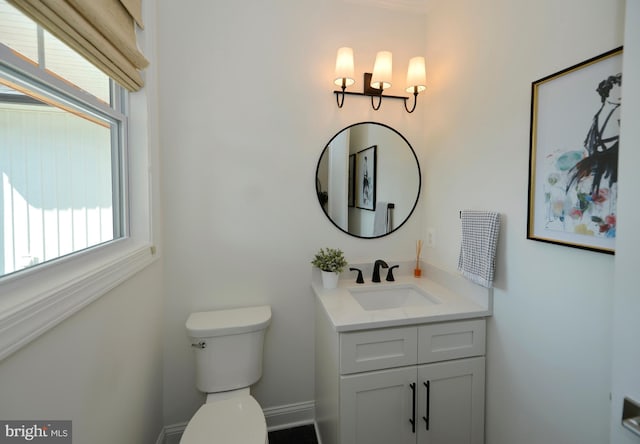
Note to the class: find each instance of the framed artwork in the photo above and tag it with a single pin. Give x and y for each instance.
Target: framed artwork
(366, 178)
(573, 157)
(352, 180)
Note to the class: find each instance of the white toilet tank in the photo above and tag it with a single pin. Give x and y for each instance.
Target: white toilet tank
(228, 346)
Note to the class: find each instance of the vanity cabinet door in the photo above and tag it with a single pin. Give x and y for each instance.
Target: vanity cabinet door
(451, 402)
(376, 407)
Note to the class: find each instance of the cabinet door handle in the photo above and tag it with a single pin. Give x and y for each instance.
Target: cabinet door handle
(413, 415)
(426, 418)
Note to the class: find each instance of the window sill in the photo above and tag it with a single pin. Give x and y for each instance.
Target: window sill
(36, 302)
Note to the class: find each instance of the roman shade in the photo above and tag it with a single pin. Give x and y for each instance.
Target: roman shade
(103, 31)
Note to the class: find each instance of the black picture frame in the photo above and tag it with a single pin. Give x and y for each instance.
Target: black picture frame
(365, 187)
(352, 181)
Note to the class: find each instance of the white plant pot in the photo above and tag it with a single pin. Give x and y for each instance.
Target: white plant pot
(329, 279)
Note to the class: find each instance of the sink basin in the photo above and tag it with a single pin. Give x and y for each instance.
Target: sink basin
(389, 297)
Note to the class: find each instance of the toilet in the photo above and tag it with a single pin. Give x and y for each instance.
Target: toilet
(228, 350)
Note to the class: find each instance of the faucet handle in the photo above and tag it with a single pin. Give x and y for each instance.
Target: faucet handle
(390, 273)
(359, 279)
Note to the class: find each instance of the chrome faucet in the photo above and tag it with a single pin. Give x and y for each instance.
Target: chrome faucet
(376, 270)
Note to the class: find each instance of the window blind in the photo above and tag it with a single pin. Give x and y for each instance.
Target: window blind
(103, 31)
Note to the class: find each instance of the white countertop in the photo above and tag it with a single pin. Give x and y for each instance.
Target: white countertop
(458, 299)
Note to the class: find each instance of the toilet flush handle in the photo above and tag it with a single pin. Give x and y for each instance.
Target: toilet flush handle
(200, 345)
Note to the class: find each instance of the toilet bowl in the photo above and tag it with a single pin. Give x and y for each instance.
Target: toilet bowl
(236, 419)
(228, 346)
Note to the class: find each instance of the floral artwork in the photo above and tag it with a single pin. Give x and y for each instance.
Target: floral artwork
(573, 172)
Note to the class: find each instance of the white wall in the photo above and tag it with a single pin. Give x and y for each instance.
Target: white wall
(548, 362)
(396, 176)
(338, 180)
(245, 111)
(102, 367)
(626, 328)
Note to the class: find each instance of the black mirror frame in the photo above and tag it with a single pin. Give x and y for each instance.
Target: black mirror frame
(319, 191)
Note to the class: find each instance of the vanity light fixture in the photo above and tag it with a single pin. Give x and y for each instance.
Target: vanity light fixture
(381, 77)
(416, 80)
(344, 72)
(375, 83)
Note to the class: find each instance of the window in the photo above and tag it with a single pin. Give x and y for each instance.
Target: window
(75, 202)
(60, 153)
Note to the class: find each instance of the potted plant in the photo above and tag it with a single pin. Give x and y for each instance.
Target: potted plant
(331, 262)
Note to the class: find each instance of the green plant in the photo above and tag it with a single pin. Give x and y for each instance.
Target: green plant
(330, 259)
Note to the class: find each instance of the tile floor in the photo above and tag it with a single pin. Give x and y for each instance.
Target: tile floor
(298, 435)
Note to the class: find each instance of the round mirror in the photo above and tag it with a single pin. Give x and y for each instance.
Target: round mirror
(368, 180)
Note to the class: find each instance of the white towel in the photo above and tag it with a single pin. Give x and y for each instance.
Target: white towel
(380, 222)
(480, 230)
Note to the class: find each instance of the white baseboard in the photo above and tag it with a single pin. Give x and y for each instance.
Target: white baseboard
(173, 432)
(290, 415)
(278, 418)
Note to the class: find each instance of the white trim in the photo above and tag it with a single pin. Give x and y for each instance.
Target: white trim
(19, 69)
(173, 433)
(290, 415)
(53, 305)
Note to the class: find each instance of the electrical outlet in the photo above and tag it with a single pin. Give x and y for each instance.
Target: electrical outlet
(431, 237)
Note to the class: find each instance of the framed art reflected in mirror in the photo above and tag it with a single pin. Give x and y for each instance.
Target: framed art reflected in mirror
(368, 180)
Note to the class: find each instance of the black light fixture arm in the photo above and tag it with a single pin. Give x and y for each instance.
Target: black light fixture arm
(367, 91)
(376, 108)
(340, 95)
(415, 101)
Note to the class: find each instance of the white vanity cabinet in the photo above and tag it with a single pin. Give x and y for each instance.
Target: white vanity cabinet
(412, 384)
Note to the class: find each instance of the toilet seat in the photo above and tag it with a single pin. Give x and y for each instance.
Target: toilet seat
(234, 420)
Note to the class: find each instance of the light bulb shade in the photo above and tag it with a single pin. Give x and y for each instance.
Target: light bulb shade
(344, 67)
(416, 75)
(381, 78)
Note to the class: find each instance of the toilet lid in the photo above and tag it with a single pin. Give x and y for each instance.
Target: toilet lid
(234, 420)
(207, 324)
